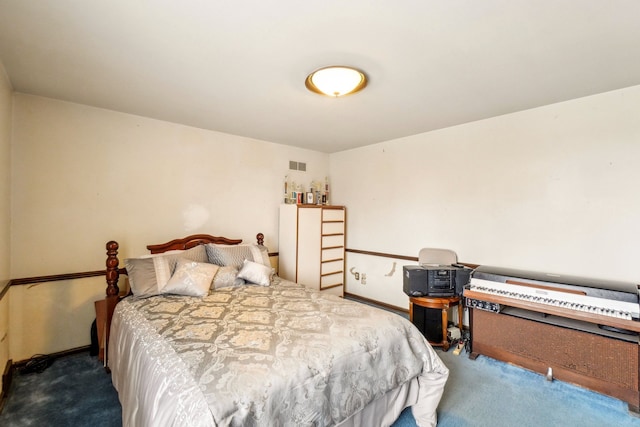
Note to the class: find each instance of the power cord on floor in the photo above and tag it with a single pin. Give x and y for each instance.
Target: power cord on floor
(467, 341)
(464, 342)
(38, 363)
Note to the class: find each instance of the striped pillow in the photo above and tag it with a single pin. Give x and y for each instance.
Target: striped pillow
(234, 255)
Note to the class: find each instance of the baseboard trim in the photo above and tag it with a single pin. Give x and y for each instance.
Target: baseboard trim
(7, 377)
(371, 301)
(57, 355)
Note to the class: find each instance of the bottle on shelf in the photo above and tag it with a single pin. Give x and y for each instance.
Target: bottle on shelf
(325, 199)
(293, 198)
(287, 189)
(299, 194)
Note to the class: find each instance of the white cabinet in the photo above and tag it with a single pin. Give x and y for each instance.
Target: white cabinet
(311, 246)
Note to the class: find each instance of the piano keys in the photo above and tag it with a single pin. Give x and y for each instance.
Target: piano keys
(560, 298)
(609, 303)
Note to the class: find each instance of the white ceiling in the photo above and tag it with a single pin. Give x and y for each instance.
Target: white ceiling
(239, 66)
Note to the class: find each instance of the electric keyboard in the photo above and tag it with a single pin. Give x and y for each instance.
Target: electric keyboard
(609, 303)
(570, 301)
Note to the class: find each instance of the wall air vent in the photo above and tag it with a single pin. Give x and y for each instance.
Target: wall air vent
(297, 166)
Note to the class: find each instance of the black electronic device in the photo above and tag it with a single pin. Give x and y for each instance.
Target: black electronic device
(434, 280)
(463, 275)
(483, 305)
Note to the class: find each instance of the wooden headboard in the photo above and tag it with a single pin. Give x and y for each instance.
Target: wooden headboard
(113, 272)
(190, 242)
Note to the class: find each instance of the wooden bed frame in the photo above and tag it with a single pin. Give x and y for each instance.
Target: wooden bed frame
(413, 392)
(104, 308)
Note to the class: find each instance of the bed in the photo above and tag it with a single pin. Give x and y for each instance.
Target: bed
(253, 349)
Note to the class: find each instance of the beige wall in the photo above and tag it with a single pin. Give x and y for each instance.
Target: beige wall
(83, 176)
(552, 189)
(5, 175)
(5, 210)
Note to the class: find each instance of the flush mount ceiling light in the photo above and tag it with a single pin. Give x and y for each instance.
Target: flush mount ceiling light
(336, 81)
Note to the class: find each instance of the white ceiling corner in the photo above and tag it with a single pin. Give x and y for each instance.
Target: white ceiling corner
(239, 67)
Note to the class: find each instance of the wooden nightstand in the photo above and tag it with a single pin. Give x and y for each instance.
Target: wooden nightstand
(439, 303)
(104, 312)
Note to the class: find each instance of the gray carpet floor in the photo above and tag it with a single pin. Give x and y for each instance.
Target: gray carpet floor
(486, 392)
(76, 391)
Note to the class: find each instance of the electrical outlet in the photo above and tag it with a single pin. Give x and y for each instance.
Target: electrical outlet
(364, 279)
(357, 275)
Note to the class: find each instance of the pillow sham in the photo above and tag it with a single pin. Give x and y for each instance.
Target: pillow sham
(149, 274)
(191, 278)
(226, 276)
(254, 272)
(234, 255)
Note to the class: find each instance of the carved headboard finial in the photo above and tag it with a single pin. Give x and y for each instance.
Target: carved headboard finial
(112, 268)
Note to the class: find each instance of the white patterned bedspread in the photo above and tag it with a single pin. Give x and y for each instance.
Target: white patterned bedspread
(264, 356)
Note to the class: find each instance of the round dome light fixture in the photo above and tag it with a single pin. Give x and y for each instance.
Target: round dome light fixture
(336, 80)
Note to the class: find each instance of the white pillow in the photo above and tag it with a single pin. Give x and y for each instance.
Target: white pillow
(191, 279)
(254, 272)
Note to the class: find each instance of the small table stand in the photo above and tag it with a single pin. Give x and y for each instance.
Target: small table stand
(440, 303)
